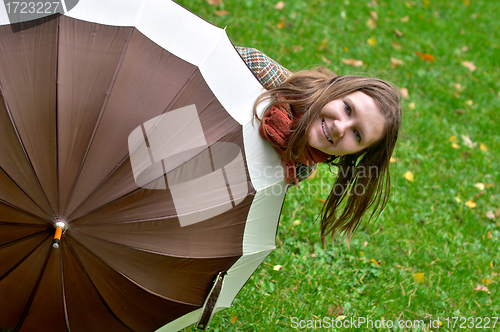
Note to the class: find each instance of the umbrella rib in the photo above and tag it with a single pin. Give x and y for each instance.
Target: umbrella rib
(177, 96)
(92, 283)
(27, 255)
(16, 130)
(104, 105)
(33, 293)
(22, 210)
(6, 174)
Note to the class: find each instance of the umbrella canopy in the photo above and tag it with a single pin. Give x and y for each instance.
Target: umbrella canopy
(128, 124)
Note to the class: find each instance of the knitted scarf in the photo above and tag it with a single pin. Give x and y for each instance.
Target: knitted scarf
(275, 128)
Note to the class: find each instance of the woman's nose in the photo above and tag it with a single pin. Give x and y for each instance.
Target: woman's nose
(340, 128)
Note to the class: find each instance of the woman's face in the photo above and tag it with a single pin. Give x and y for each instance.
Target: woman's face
(347, 125)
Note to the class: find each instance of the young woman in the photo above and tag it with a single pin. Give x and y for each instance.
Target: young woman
(348, 121)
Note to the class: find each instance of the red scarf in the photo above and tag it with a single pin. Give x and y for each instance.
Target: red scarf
(276, 127)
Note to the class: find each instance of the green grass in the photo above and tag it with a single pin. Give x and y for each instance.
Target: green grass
(427, 226)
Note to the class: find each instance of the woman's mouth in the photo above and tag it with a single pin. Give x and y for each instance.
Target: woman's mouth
(323, 125)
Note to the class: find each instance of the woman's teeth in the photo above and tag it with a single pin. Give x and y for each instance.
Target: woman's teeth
(324, 131)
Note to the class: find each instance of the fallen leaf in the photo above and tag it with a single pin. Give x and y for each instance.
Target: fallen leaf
(314, 255)
(404, 93)
(323, 44)
(399, 47)
(455, 146)
(396, 62)
(464, 49)
(325, 60)
(425, 56)
(371, 23)
(482, 289)
(372, 41)
(214, 2)
(405, 19)
(277, 267)
(296, 222)
(459, 111)
(280, 25)
(458, 86)
(469, 65)
(221, 12)
(412, 106)
(483, 147)
(233, 319)
(418, 277)
(321, 200)
(352, 62)
(341, 317)
(470, 204)
(468, 142)
(280, 5)
(393, 160)
(489, 236)
(297, 48)
(466, 2)
(374, 15)
(409, 176)
(457, 199)
(453, 138)
(469, 102)
(375, 262)
(486, 281)
(398, 33)
(479, 186)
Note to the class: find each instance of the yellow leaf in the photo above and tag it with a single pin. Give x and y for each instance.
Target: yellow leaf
(371, 23)
(457, 199)
(491, 264)
(412, 106)
(346, 48)
(361, 254)
(483, 147)
(405, 19)
(277, 267)
(418, 277)
(325, 60)
(489, 236)
(374, 15)
(352, 62)
(393, 160)
(453, 138)
(296, 222)
(479, 186)
(469, 65)
(486, 281)
(281, 25)
(455, 146)
(214, 2)
(470, 204)
(280, 5)
(233, 319)
(466, 2)
(372, 41)
(409, 176)
(469, 102)
(341, 317)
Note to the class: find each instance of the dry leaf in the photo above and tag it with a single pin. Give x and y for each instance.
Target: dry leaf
(374, 15)
(233, 319)
(459, 111)
(453, 138)
(482, 289)
(418, 277)
(296, 222)
(409, 176)
(399, 47)
(372, 41)
(352, 62)
(281, 25)
(486, 281)
(468, 142)
(483, 147)
(371, 23)
(412, 106)
(470, 204)
(221, 12)
(393, 160)
(277, 267)
(314, 255)
(404, 93)
(455, 146)
(405, 19)
(325, 60)
(280, 5)
(466, 2)
(398, 33)
(457, 199)
(469, 65)
(396, 62)
(375, 262)
(321, 200)
(469, 102)
(479, 186)
(489, 236)
(214, 2)
(458, 86)
(425, 56)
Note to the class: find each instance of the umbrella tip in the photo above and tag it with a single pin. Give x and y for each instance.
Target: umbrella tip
(60, 227)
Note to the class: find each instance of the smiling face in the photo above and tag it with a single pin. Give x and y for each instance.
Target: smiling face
(347, 125)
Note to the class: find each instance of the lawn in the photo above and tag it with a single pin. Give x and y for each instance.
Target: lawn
(434, 252)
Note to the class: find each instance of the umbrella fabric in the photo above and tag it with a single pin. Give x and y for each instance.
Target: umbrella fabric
(129, 122)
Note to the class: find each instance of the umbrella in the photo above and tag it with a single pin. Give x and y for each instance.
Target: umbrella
(126, 134)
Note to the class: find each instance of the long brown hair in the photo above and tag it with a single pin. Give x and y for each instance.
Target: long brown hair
(306, 93)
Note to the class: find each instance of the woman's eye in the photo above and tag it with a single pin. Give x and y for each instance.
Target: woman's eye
(358, 136)
(347, 108)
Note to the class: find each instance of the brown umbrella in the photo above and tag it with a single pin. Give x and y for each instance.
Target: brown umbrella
(126, 126)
